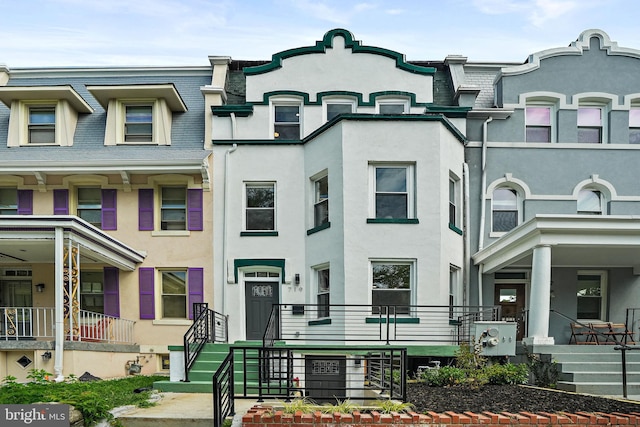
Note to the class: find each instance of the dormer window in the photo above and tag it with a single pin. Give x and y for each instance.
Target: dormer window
(138, 123)
(42, 125)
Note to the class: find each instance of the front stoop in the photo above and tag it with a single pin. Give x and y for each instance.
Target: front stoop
(173, 409)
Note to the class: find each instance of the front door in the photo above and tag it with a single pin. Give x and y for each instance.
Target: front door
(510, 298)
(259, 297)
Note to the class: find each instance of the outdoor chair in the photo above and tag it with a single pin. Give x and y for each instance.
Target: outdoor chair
(582, 334)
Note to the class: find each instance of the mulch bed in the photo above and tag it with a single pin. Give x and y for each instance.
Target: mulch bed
(510, 398)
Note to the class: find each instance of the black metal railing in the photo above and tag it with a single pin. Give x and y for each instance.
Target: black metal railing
(223, 395)
(352, 324)
(208, 326)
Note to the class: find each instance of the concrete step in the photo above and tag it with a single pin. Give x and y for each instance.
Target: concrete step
(591, 349)
(599, 377)
(613, 367)
(599, 388)
(591, 357)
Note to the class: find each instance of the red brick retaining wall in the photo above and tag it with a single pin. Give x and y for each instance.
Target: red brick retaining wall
(261, 416)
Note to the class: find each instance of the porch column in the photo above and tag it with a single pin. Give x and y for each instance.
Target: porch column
(539, 300)
(59, 303)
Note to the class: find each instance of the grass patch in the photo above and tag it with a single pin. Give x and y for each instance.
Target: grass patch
(94, 399)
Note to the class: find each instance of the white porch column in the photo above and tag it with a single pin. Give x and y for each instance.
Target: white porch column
(539, 300)
(59, 303)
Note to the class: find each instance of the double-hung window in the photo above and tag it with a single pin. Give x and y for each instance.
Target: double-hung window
(260, 206)
(504, 209)
(92, 291)
(138, 123)
(395, 106)
(590, 125)
(90, 205)
(538, 124)
(321, 203)
(286, 121)
(173, 208)
(634, 125)
(591, 293)
(393, 188)
(323, 299)
(590, 202)
(391, 287)
(453, 202)
(174, 294)
(42, 125)
(8, 201)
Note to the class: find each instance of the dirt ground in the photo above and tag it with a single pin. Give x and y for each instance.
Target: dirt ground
(509, 398)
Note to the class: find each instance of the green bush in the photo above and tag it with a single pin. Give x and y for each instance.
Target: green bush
(445, 376)
(507, 374)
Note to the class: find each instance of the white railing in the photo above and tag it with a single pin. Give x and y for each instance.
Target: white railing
(33, 323)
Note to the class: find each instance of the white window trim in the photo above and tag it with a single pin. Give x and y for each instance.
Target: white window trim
(273, 102)
(327, 101)
(412, 280)
(455, 285)
(553, 110)
(316, 269)
(411, 189)
(314, 179)
(387, 101)
(519, 204)
(157, 182)
(161, 117)
(604, 119)
(604, 284)
(244, 204)
(456, 200)
(65, 123)
(603, 198)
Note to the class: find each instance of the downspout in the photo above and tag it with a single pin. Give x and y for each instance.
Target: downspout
(225, 213)
(467, 245)
(483, 189)
(59, 304)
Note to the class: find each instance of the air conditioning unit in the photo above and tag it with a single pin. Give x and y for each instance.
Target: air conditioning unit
(496, 338)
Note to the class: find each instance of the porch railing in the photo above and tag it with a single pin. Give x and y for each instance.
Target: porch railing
(345, 324)
(38, 323)
(208, 326)
(632, 322)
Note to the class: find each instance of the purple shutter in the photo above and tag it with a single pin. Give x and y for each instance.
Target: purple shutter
(194, 207)
(109, 212)
(146, 290)
(195, 279)
(61, 202)
(25, 202)
(145, 209)
(111, 291)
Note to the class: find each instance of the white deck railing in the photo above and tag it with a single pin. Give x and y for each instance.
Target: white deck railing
(38, 323)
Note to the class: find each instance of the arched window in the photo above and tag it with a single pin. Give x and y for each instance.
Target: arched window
(590, 202)
(504, 209)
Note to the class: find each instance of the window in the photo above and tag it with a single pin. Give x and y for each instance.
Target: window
(174, 294)
(138, 123)
(336, 108)
(453, 290)
(92, 291)
(591, 292)
(42, 125)
(323, 299)
(321, 202)
(8, 201)
(173, 208)
(505, 209)
(90, 205)
(391, 287)
(393, 191)
(395, 106)
(590, 202)
(287, 122)
(260, 207)
(453, 202)
(590, 125)
(634, 125)
(538, 124)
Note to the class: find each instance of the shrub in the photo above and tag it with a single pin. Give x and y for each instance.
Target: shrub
(507, 374)
(445, 376)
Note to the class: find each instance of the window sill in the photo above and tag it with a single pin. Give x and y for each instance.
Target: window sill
(173, 322)
(497, 233)
(392, 221)
(170, 233)
(326, 321)
(318, 228)
(258, 233)
(456, 229)
(392, 320)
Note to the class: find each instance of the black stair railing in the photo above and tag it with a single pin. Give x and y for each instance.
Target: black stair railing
(208, 326)
(223, 395)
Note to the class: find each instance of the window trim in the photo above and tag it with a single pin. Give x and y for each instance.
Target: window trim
(601, 198)
(245, 208)
(603, 121)
(148, 138)
(286, 102)
(634, 129)
(405, 102)
(336, 101)
(317, 271)
(410, 168)
(318, 200)
(604, 285)
(552, 121)
(412, 263)
(518, 209)
(454, 204)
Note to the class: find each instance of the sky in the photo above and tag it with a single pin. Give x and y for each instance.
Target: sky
(77, 33)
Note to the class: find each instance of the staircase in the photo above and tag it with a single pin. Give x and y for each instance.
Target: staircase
(593, 369)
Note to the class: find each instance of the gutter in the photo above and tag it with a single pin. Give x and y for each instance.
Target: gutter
(225, 213)
(483, 209)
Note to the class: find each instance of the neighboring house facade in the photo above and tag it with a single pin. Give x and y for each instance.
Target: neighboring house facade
(338, 185)
(554, 197)
(105, 216)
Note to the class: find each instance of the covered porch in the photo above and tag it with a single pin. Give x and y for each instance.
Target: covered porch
(40, 258)
(577, 267)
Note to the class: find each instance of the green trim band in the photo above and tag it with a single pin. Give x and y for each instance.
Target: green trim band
(240, 263)
(257, 142)
(392, 221)
(176, 348)
(392, 320)
(244, 110)
(327, 43)
(318, 228)
(258, 233)
(456, 229)
(319, 322)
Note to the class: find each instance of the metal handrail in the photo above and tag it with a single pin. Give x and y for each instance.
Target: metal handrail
(223, 393)
(208, 326)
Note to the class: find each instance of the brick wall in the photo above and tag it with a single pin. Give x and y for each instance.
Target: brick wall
(265, 416)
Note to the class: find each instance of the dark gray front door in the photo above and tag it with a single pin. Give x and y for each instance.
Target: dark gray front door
(326, 378)
(259, 297)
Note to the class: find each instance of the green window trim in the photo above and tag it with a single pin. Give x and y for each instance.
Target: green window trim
(456, 229)
(318, 228)
(240, 263)
(392, 221)
(258, 233)
(319, 322)
(392, 320)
